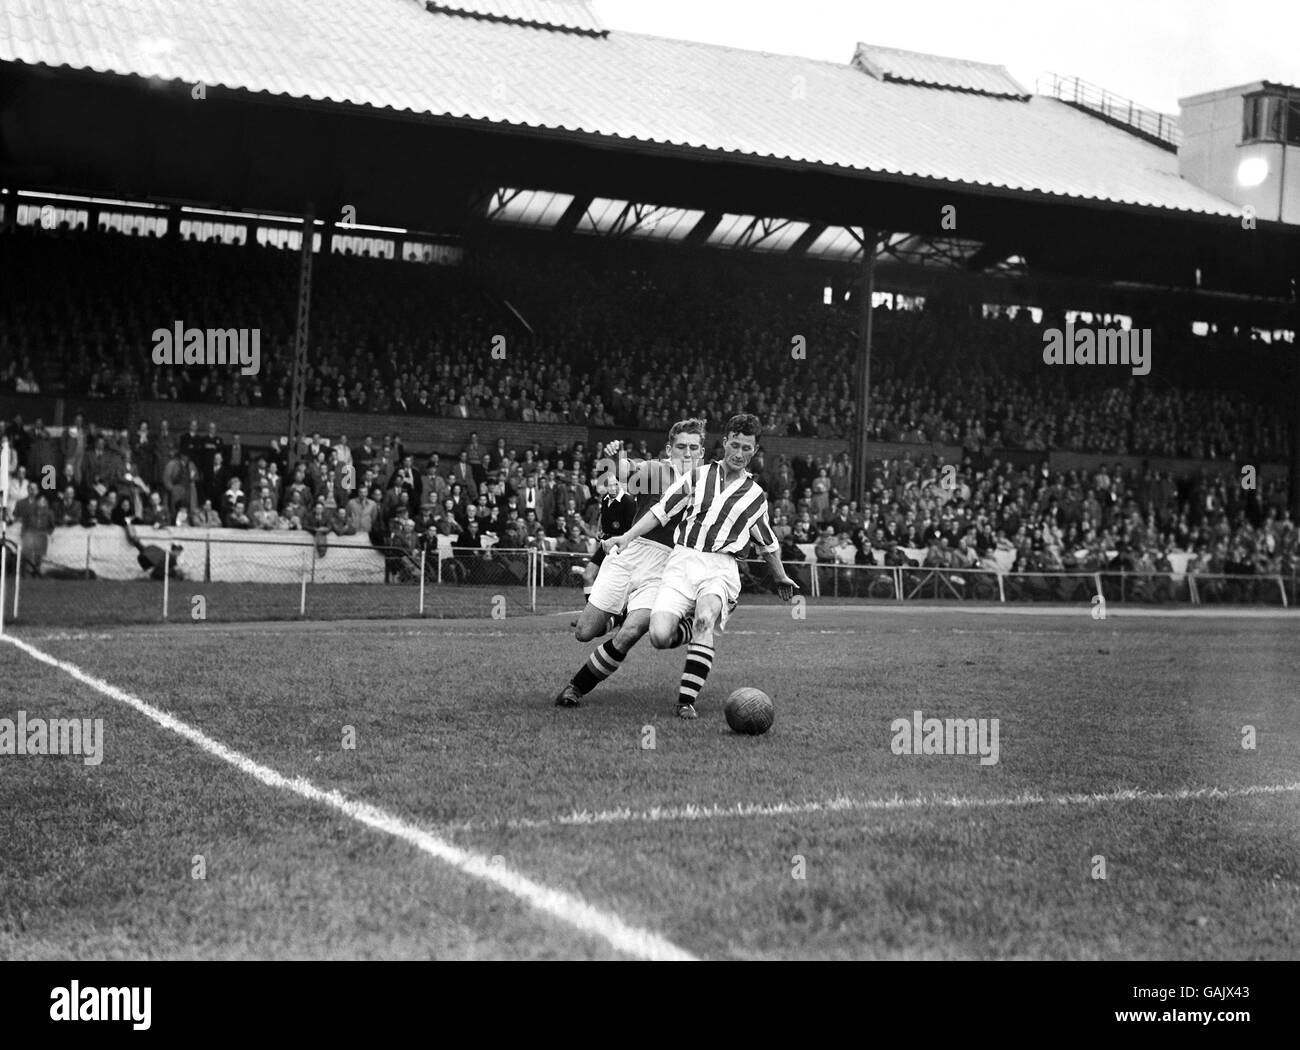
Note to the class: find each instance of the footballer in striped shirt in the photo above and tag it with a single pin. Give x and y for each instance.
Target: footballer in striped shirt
(723, 509)
(629, 582)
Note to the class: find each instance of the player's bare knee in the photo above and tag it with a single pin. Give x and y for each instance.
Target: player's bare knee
(588, 632)
(592, 623)
(706, 615)
(662, 632)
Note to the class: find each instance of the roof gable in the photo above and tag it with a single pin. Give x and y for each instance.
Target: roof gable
(573, 15)
(960, 74)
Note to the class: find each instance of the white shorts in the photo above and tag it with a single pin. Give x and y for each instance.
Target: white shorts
(691, 574)
(630, 578)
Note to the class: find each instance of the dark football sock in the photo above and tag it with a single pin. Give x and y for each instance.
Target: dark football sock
(604, 660)
(699, 661)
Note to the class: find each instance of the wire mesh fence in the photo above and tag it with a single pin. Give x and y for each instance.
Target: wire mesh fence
(100, 579)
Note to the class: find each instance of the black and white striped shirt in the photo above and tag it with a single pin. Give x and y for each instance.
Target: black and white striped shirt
(720, 518)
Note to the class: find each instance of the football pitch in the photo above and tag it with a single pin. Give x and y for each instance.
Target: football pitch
(405, 789)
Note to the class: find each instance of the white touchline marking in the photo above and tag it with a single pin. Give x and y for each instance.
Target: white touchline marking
(258, 627)
(845, 804)
(1199, 612)
(563, 906)
(74, 636)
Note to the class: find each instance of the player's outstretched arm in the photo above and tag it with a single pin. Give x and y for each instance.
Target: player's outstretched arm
(785, 586)
(765, 540)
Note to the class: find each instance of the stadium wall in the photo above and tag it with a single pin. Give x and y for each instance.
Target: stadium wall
(1092, 460)
(423, 434)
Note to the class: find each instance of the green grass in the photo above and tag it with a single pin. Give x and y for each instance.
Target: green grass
(456, 733)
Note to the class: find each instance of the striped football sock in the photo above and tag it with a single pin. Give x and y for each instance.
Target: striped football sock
(685, 632)
(699, 661)
(604, 660)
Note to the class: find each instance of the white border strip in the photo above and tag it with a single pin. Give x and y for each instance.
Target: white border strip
(845, 804)
(568, 909)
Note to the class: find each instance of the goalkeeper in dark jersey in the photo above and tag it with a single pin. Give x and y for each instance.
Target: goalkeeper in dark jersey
(630, 579)
(153, 559)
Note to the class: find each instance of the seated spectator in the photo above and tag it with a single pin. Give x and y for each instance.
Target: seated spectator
(514, 534)
(265, 516)
(238, 517)
(839, 520)
(318, 518)
(234, 493)
(340, 523)
(68, 509)
(492, 524)
(963, 555)
(206, 517)
(536, 535)
(446, 523)
(291, 517)
(153, 513)
(469, 550)
(107, 509)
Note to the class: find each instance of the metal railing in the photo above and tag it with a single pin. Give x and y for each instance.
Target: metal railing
(930, 583)
(1079, 92)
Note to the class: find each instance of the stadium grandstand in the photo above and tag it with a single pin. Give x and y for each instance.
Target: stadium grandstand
(472, 242)
(345, 343)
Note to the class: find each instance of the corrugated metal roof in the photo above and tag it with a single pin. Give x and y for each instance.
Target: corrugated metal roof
(640, 89)
(913, 67)
(556, 14)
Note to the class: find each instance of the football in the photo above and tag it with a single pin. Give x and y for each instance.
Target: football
(750, 711)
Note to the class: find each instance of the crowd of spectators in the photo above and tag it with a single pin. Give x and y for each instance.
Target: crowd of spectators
(584, 341)
(918, 511)
(998, 516)
(594, 342)
(81, 476)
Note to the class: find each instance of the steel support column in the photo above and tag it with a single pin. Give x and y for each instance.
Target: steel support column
(862, 365)
(298, 392)
(1293, 468)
